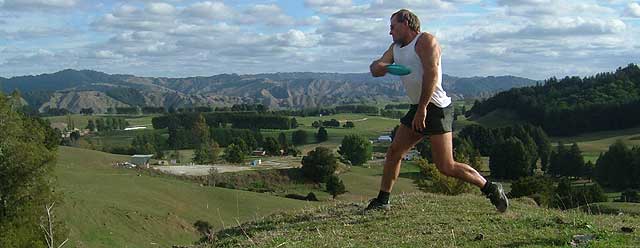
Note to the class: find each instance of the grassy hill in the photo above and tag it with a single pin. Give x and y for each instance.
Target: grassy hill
(110, 207)
(428, 220)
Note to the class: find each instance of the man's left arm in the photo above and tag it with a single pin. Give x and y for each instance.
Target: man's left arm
(428, 51)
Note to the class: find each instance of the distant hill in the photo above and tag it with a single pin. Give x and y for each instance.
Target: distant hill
(574, 105)
(296, 89)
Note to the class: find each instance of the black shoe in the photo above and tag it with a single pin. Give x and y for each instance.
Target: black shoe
(375, 205)
(495, 193)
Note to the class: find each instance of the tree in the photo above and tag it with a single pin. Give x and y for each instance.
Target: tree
(615, 168)
(316, 124)
(206, 153)
(100, 125)
(239, 142)
(349, 124)
(299, 137)
(27, 160)
(282, 139)
(322, 135)
(200, 130)
(356, 149)
(335, 186)
(74, 136)
(91, 126)
(510, 160)
(206, 230)
(629, 195)
(294, 123)
(233, 154)
(319, 164)
(331, 123)
(575, 162)
(271, 146)
(86, 111)
(293, 151)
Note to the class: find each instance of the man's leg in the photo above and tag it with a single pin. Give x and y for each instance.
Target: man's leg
(404, 140)
(442, 152)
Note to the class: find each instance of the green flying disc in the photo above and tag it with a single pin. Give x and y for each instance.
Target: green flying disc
(399, 70)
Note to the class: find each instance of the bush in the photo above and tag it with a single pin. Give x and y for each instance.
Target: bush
(322, 135)
(356, 149)
(537, 187)
(271, 146)
(233, 154)
(435, 182)
(629, 195)
(570, 197)
(335, 186)
(319, 164)
(349, 124)
(299, 137)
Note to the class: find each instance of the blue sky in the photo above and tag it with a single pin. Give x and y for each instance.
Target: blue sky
(179, 38)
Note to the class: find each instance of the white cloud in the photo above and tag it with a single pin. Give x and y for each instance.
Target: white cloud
(106, 54)
(269, 14)
(541, 8)
(632, 10)
(532, 38)
(310, 21)
(209, 10)
(37, 4)
(161, 8)
(298, 38)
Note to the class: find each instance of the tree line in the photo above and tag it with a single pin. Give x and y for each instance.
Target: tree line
(107, 124)
(574, 105)
(247, 120)
(28, 152)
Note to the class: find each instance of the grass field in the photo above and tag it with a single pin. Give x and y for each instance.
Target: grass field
(109, 207)
(592, 144)
(80, 121)
(430, 220)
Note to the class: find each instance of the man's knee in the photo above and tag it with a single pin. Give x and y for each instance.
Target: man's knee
(447, 168)
(394, 153)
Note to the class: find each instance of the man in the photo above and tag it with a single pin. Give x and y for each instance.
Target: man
(431, 112)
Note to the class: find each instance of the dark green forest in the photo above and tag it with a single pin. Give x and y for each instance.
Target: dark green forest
(574, 105)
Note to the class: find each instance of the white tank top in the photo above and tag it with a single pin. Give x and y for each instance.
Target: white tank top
(408, 57)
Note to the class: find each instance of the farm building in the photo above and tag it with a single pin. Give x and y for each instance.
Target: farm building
(384, 138)
(141, 160)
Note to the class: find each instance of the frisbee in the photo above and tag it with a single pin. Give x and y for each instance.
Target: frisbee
(399, 70)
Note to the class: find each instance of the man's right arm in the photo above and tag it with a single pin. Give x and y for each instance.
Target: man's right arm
(378, 67)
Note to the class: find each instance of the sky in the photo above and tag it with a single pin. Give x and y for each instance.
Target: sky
(537, 39)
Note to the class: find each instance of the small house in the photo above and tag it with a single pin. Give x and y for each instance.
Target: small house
(259, 153)
(384, 138)
(141, 160)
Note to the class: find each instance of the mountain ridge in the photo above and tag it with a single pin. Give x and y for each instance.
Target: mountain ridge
(275, 90)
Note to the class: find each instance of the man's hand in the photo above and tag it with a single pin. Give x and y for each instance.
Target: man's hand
(378, 67)
(419, 119)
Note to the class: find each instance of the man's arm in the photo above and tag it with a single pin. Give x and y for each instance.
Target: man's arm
(428, 51)
(378, 67)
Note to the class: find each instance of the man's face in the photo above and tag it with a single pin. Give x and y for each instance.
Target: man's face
(397, 30)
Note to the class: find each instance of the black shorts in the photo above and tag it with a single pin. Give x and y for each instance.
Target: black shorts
(438, 121)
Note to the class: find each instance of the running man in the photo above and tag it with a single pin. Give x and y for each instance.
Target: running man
(431, 112)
